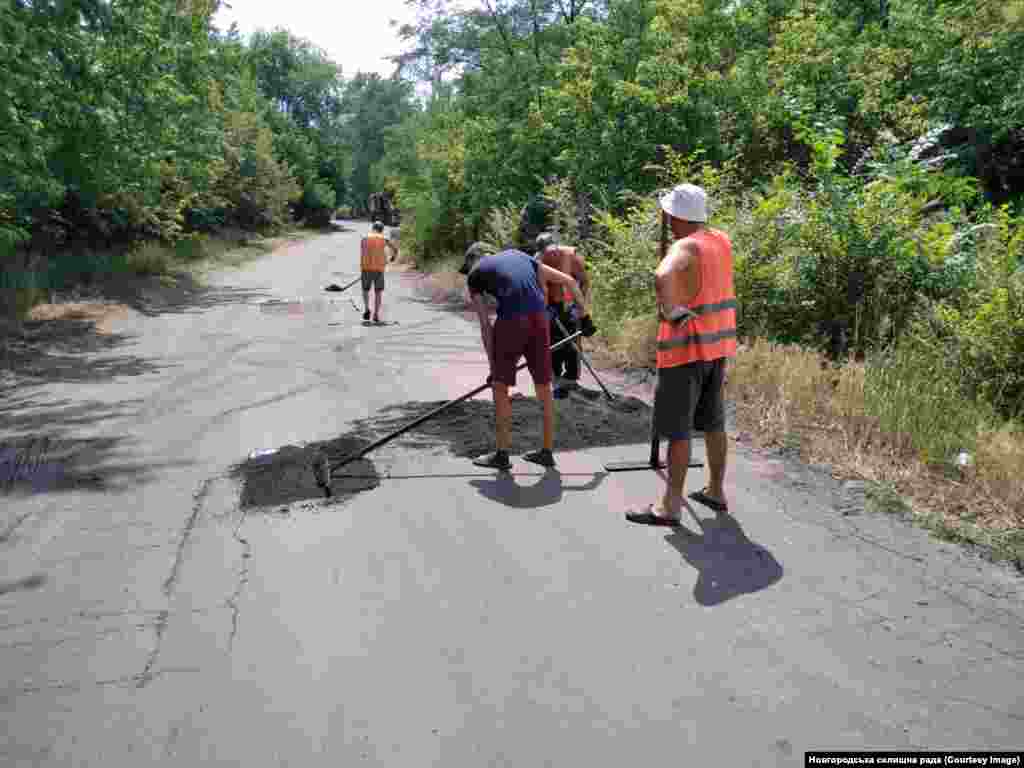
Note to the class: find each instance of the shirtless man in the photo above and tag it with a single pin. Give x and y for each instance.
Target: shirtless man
(561, 306)
(696, 338)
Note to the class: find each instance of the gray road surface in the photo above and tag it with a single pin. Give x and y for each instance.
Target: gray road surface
(446, 616)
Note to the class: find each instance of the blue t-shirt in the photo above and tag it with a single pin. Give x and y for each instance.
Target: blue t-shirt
(510, 277)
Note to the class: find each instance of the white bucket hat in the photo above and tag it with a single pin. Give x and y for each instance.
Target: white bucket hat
(688, 202)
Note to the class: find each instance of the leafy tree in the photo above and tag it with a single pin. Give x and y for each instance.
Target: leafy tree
(370, 105)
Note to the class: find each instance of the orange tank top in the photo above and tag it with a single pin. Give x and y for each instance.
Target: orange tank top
(710, 335)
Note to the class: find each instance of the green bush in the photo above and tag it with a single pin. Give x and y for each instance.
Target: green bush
(319, 200)
(255, 187)
(988, 319)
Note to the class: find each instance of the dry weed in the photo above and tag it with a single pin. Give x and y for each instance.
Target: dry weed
(791, 397)
(443, 287)
(100, 314)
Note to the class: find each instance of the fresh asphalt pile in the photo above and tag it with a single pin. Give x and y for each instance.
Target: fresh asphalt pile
(585, 419)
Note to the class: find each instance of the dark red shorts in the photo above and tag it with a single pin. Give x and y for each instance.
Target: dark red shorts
(519, 336)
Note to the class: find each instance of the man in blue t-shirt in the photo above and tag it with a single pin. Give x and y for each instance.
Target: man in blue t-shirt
(519, 284)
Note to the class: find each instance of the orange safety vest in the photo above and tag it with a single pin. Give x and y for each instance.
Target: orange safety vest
(374, 257)
(710, 335)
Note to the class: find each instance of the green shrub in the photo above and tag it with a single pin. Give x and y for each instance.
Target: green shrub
(319, 200)
(151, 259)
(988, 320)
(255, 187)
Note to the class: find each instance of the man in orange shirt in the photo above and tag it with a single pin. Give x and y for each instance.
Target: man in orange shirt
(696, 338)
(373, 261)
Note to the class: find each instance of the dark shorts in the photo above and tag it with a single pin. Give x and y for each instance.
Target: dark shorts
(519, 336)
(690, 397)
(565, 360)
(373, 279)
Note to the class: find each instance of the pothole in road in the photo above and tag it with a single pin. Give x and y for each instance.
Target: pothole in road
(285, 477)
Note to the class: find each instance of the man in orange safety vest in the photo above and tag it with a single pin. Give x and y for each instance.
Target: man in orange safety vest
(373, 261)
(696, 338)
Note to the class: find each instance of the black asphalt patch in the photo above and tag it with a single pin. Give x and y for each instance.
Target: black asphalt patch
(286, 476)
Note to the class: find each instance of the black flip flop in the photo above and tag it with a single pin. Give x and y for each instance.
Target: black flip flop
(707, 501)
(648, 517)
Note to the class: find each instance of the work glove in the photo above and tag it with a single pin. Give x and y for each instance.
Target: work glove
(679, 315)
(587, 326)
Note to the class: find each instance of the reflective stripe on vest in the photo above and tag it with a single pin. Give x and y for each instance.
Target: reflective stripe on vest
(710, 335)
(374, 257)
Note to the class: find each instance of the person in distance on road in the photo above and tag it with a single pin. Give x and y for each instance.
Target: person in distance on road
(518, 282)
(373, 261)
(696, 338)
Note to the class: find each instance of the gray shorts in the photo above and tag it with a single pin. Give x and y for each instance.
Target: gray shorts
(374, 280)
(690, 397)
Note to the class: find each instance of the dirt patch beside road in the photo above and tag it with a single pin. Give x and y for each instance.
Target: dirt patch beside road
(101, 314)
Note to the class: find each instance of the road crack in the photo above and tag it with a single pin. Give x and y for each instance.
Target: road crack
(171, 583)
(243, 579)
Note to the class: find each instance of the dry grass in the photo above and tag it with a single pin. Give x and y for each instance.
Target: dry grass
(99, 313)
(627, 345)
(789, 397)
(441, 282)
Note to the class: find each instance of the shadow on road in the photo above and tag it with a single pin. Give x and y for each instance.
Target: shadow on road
(55, 463)
(54, 351)
(74, 350)
(338, 225)
(181, 293)
(729, 564)
(42, 449)
(548, 490)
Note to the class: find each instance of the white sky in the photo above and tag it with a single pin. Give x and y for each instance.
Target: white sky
(354, 33)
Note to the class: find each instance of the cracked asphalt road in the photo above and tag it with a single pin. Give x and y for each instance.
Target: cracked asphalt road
(441, 615)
